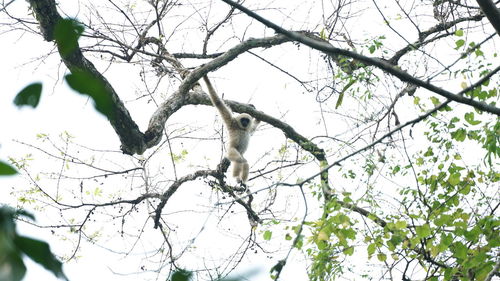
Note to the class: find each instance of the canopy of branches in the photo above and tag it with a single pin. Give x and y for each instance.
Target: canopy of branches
(376, 157)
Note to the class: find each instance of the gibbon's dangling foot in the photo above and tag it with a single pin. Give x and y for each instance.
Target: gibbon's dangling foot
(240, 128)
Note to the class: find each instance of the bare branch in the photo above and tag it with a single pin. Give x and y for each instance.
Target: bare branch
(318, 44)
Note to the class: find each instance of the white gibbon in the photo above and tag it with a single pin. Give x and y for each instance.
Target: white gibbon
(240, 128)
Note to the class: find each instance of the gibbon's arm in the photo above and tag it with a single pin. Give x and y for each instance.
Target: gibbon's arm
(224, 111)
(256, 123)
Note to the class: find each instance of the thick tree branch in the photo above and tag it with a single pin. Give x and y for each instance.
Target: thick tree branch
(132, 139)
(384, 65)
(127, 130)
(491, 12)
(157, 122)
(317, 152)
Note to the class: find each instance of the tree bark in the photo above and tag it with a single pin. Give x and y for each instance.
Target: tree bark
(491, 12)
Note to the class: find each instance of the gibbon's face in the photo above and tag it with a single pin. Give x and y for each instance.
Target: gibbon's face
(244, 121)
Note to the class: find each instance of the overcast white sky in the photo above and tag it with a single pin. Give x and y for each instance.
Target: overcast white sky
(61, 109)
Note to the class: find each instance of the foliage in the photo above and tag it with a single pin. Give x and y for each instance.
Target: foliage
(85, 83)
(13, 247)
(6, 169)
(30, 95)
(378, 158)
(66, 33)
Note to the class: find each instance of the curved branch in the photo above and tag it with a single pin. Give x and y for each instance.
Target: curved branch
(218, 173)
(132, 139)
(197, 98)
(173, 188)
(157, 122)
(321, 45)
(127, 130)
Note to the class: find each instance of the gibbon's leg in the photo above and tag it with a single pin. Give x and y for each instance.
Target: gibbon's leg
(237, 170)
(244, 172)
(235, 156)
(238, 162)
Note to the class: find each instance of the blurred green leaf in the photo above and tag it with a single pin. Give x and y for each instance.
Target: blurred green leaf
(454, 179)
(469, 117)
(13, 246)
(66, 33)
(382, 257)
(87, 84)
(459, 43)
(459, 134)
(11, 264)
(181, 275)
(423, 231)
(459, 250)
(341, 95)
(401, 224)
(30, 95)
(6, 169)
(39, 252)
(348, 251)
(12, 267)
(267, 235)
(371, 248)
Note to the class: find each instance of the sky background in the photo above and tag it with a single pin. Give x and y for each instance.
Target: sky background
(62, 109)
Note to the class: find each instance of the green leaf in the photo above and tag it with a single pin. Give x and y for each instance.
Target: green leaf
(371, 249)
(400, 224)
(459, 134)
(11, 260)
(459, 33)
(416, 100)
(459, 250)
(459, 43)
(267, 235)
(435, 101)
(423, 231)
(454, 179)
(322, 34)
(443, 219)
(66, 34)
(382, 257)
(87, 84)
(349, 251)
(469, 117)
(10, 254)
(396, 169)
(6, 169)
(181, 275)
(39, 252)
(30, 95)
(341, 95)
